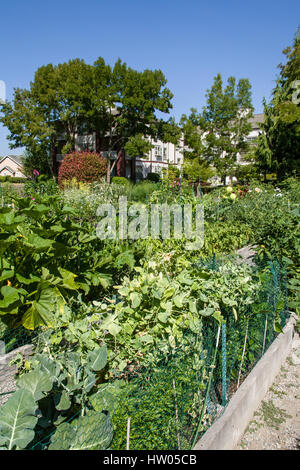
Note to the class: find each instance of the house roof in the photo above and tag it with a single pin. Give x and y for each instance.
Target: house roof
(256, 120)
(15, 158)
(7, 168)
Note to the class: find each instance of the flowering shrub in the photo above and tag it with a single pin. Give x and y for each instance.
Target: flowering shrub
(84, 166)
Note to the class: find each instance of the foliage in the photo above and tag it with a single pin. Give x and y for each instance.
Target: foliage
(155, 177)
(154, 308)
(119, 103)
(217, 135)
(12, 179)
(151, 302)
(84, 166)
(194, 170)
(120, 180)
(48, 394)
(41, 262)
(278, 146)
(38, 160)
(42, 185)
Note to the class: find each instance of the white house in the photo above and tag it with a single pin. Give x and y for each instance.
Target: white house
(160, 156)
(11, 165)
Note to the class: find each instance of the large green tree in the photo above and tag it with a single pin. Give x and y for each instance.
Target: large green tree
(118, 103)
(278, 149)
(128, 110)
(217, 135)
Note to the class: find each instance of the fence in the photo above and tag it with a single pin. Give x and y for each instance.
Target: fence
(171, 403)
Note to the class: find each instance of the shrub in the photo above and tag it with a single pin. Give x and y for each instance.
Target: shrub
(140, 192)
(86, 167)
(120, 180)
(155, 177)
(12, 179)
(41, 185)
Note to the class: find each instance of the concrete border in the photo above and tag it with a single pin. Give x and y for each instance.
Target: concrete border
(226, 432)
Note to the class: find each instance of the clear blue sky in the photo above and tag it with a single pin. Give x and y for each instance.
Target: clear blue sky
(189, 40)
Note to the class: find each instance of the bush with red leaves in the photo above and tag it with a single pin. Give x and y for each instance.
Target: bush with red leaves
(84, 166)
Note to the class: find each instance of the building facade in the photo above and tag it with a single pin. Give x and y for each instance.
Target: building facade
(160, 157)
(11, 165)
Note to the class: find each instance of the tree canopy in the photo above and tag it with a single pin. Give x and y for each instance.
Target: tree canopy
(119, 103)
(217, 135)
(278, 149)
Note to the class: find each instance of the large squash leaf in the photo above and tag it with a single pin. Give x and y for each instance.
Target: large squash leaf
(42, 308)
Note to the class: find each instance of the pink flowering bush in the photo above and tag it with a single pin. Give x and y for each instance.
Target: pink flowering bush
(85, 167)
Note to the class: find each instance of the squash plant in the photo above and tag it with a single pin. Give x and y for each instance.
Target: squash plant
(45, 258)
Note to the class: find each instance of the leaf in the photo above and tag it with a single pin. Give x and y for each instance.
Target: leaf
(64, 402)
(97, 359)
(48, 365)
(135, 299)
(68, 279)
(94, 431)
(114, 329)
(10, 296)
(17, 420)
(37, 382)
(42, 309)
(178, 300)
(37, 243)
(278, 327)
(31, 280)
(193, 306)
(206, 312)
(107, 397)
(125, 258)
(163, 316)
(235, 313)
(7, 274)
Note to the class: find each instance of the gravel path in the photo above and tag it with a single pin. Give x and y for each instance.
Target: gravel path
(276, 423)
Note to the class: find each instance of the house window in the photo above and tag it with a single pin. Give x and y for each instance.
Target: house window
(158, 152)
(165, 154)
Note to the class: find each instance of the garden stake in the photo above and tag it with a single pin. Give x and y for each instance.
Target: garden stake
(176, 415)
(224, 365)
(242, 360)
(265, 334)
(128, 434)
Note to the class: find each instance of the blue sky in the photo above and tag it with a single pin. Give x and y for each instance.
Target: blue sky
(189, 40)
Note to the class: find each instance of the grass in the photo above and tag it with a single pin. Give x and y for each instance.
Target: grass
(273, 416)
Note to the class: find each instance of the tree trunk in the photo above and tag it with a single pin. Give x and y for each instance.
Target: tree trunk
(54, 158)
(108, 168)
